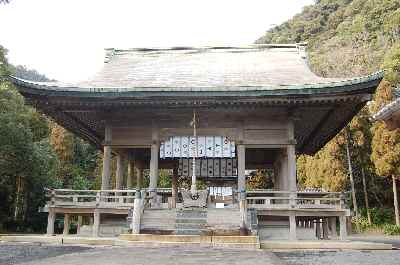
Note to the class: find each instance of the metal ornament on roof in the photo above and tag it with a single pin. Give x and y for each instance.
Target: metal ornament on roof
(204, 147)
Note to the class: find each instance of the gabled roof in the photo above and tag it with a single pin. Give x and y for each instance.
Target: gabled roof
(255, 67)
(261, 76)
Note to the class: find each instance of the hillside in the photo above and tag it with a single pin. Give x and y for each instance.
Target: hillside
(351, 38)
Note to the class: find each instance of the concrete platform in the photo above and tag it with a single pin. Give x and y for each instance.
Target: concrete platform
(322, 244)
(248, 242)
(242, 242)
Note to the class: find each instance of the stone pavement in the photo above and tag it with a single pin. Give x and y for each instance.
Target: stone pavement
(147, 256)
(46, 254)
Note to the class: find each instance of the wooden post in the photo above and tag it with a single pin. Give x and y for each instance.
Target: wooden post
(395, 201)
(119, 174)
(343, 227)
(325, 230)
(174, 187)
(50, 222)
(96, 223)
(105, 177)
(241, 154)
(154, 154)
(291, 157)
(79, 224)
(350, 168)
(131, 173)
(137, 212)
(292, 227)
(332, 227)
(243, 213)
(318, 228)
(66, 224)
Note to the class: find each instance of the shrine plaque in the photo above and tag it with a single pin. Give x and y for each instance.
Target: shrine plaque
(192, 146)
(190, 166)
(217, 146)
(233, 153)
(176, 146)
(185, 166)
(201, 146)
(217, 172)
(204, 168)
(185, 146)
(229, 167)
(234, 167)
(223, 167)
(210, 146)
(198, 169)
(226, 147)
(168, 148)
(210, 165)
(162, 150)
(180, 167)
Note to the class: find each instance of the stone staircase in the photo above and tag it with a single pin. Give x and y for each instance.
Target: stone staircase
(158, 221)
(191, 221)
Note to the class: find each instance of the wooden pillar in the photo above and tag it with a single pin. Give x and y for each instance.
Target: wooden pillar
(291, 158)
(131, 170)
(96, 223)
(318, 228)
(325, 230)
(343, 227)
(139, 176)
(332, 227)
(50, 222)
(174, 187)
(154, 166)
(105, 177)
(79, 225)
(119, 174)
(241, 154)
(292, 227)
(66, 224)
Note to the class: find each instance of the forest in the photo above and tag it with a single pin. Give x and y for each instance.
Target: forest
(345, 38)
(352, 38)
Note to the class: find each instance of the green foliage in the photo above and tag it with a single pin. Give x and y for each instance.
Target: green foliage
(350, 38)
(391, 230)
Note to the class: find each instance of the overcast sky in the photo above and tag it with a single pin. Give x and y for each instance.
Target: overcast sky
(64, 39)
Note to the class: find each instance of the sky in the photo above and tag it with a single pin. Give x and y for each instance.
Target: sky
(65, 39)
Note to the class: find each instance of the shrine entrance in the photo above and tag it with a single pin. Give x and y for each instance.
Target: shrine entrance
(208, 161)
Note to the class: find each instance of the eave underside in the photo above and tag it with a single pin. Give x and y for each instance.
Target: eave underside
(317, 119)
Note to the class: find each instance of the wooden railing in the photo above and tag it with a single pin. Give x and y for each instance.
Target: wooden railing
(269, 199)
(91, 198)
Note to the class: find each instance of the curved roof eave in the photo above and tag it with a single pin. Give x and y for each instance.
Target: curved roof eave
(343, 86)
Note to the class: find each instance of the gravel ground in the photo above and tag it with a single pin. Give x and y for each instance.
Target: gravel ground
(44, 254)
(15, 253)
(19, 254)
(345, 257)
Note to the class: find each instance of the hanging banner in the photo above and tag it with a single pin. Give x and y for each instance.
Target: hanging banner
(177, 147)
(200, 146)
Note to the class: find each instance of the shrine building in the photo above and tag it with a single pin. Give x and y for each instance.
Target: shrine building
(207, 116)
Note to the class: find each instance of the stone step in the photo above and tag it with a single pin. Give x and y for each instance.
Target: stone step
(190, 226)
(191, 215)
(191, 221)
(191, 231)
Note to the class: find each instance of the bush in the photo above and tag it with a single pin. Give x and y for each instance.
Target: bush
(391, 230)
(380, 216)
(361, 224)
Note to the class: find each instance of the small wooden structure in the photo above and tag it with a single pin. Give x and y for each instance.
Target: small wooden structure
(262, 98)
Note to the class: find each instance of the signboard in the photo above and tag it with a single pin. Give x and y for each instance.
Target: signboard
(200, 146)
(208, 167)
